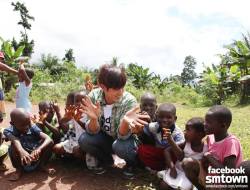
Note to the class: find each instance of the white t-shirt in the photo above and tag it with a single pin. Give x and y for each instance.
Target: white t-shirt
(107, 113)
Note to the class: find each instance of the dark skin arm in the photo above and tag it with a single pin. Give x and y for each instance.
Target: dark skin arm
(177, 149)
(229, 161)
(54, 130)
(6, 68)
(24, 74)
(25, 157)
(46, 142)
(169, 163)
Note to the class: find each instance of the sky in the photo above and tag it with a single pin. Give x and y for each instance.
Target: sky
(158, 34)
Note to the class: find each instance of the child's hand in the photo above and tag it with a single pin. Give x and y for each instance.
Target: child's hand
(43, 117)
(173, 172)
(69, 112)
(35, 154)
(167, 134)
(55, 106)
(26, 158)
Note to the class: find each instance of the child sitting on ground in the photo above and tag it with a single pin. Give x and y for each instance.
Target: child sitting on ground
(76, 122)
(152, 156)
(30, 148)
(224, 149)
(193, 148)
(3, 148)
(49, 115)
(25, 84)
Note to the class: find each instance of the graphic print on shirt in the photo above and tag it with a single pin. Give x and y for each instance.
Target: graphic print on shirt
(106, 119)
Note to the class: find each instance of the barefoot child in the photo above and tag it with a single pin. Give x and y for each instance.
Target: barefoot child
(193, 148)
(25, 84)
(3, 148)
(30, 148)
(153, 155)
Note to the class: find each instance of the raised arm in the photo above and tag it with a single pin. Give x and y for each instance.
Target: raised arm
(26, 78)
(6, 68)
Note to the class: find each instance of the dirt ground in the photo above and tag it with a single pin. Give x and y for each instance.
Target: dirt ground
(70, 174)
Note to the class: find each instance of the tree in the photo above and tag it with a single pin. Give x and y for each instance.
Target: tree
(69, 56)
(141, 78)
(24, 22)
(188, 74)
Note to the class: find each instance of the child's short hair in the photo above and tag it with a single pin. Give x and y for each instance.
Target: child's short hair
(221, 113)
(197, 123)
(112, 76)
(42, 104)
(30, 73)
(71, 98)
(167, 107)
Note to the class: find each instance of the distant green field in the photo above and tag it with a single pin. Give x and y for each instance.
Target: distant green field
(240, 126)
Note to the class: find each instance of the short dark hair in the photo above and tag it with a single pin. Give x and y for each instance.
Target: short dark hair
(71, 97)
(197, 123)
(112, 76)
(43, 104)
(221, 113)
(167, 107)
(30, 73)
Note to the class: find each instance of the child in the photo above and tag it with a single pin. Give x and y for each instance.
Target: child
(148, 104)
(49, 114)
(76, 121)
(193, 148)
(30, 148)
(153, 155)
(224, 150)
(3, 148)
(22, 94)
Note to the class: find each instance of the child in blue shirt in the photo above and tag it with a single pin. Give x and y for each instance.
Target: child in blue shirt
(30, 148)
(152, 156)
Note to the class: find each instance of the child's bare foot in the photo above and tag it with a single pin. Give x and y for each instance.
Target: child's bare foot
(15, 176)
(50, 171)
(3, 167)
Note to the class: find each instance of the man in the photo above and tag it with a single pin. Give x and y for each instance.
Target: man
(111, 121)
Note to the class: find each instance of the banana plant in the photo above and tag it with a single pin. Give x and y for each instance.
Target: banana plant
(9, 52)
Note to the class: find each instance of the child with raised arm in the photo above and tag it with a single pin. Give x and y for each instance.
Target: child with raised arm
(76, 122)
(152, 156)
(30, 148)
(193, 148)
(49, 117)
(25, 84)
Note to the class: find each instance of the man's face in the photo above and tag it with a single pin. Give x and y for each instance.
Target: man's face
(112, 95)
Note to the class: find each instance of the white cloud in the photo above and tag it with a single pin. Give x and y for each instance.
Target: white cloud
(142, 31)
